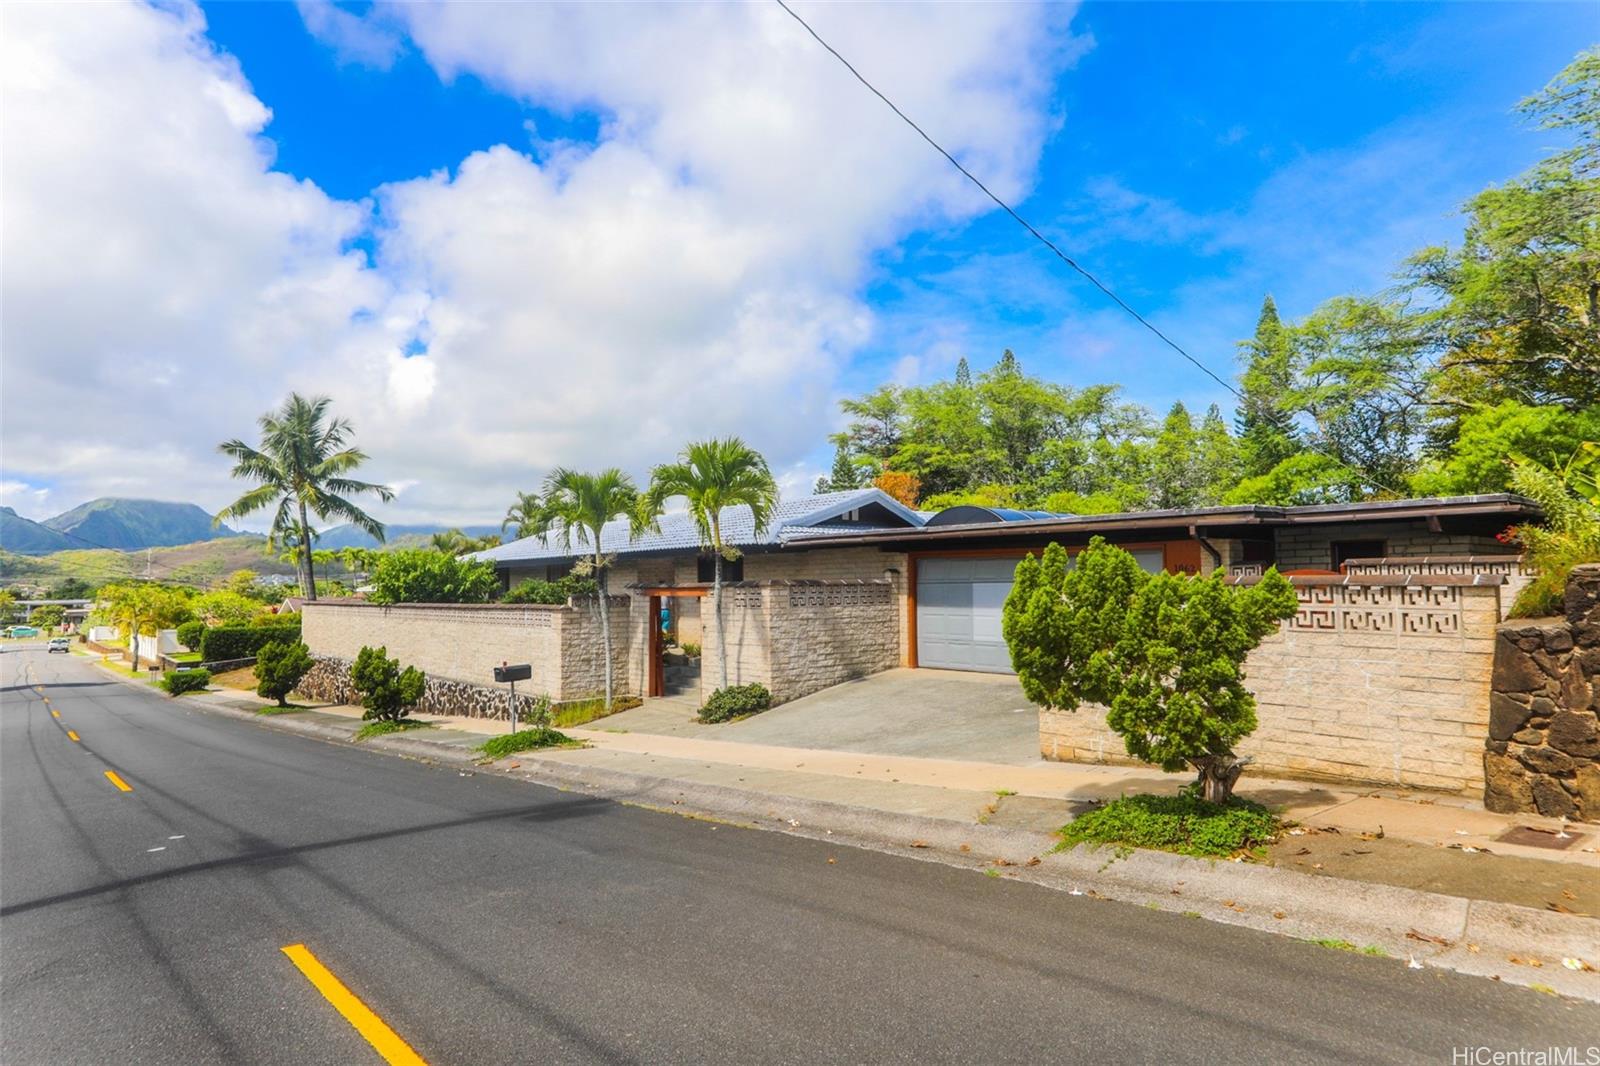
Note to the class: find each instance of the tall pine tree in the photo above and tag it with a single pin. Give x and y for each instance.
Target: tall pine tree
(1264, 419)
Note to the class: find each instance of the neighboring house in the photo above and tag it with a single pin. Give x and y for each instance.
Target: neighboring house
(949, 573)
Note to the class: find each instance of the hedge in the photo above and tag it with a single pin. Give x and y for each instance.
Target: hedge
(241, 642)
(180, 681)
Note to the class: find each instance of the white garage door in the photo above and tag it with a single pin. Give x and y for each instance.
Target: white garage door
(958, 611)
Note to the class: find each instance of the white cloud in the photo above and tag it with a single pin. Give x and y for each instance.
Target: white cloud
(696, 272)
(370, 42)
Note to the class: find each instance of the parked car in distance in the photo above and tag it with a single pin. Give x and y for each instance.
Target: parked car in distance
(61, 644)
(22, 631)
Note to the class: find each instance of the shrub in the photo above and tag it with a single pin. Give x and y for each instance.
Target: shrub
(523, 740)
(177, 682)
(552, 592)
(690, 648)
(736, 701)
(279, 668)
(189, 634)
(1184, 823)
(387, 692)
(241, 642)
(1570, 535)
(423, 575)
(1163, 652)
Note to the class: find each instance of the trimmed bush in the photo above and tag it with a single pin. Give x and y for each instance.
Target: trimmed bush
(1184, 823)
(555, 593)
(387, 692)
(223, 643)
(189, 634)
(177, 682)
(279, 668)
(736, 701)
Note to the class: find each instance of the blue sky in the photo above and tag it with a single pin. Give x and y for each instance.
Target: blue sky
(695, 207)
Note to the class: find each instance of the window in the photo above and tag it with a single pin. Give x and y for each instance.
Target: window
(732, 569)
(1345, 550)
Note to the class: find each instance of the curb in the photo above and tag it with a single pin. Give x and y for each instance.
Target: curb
(1426, 929)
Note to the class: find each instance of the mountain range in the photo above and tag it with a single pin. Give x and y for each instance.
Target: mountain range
(132, 525)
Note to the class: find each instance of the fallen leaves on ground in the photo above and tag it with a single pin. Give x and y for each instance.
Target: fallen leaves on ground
(1035, 861)
(1412, 934)
(1517, 960)
(919, 844)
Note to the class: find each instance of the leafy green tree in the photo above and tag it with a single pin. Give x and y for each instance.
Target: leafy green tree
(8, 606)
(1518, 303)
(713, 475)
(279, 667)
(70, 588)
(875, 425)
(522, 517)
(144, 609)
(387, 692)
(1163, 653)
(533, 590)
(963, 374)
(576, 508)
(47, 616)
(303, 467)
(844, 475)
(1489, 437)
(242, 583)
(225, 608)
(1302, 479)
(422, 575)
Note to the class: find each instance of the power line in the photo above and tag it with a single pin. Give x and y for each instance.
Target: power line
(1048, 243)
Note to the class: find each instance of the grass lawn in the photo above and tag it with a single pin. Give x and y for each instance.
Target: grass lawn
(185, 657)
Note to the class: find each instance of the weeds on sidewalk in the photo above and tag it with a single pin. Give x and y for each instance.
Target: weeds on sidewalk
(1183, 823)
(525, 740)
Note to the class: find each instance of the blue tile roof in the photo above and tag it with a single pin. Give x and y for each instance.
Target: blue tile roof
(793, 519)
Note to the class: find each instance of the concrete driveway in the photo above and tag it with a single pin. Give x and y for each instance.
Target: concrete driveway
(933, 714)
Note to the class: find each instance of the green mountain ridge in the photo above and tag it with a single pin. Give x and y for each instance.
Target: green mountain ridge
(129, 525)
(27, 537)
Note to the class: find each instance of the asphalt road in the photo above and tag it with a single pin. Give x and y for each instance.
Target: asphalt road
(486, 920)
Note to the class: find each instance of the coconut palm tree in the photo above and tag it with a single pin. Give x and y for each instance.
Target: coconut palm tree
(712, 475)
(522, 516)
(302, 466)
(576, 507)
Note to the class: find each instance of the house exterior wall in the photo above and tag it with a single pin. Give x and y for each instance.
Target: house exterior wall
(1311, 547)
(465, 642)
(1380, 683)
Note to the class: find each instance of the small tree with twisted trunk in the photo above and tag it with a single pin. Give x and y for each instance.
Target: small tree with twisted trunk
(1164, 653)
(712, 475)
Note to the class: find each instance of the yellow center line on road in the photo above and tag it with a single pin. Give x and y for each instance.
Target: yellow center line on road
(54, 713)
(383, 1039)
(71, 735)
(111, 775)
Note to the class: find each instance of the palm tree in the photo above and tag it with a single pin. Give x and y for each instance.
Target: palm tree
(577, 506)
(451, 542)
(712, 475)
(302, 466)
(522, 516)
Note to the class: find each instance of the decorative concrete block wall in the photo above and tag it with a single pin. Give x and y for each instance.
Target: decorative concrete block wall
(798, 637)
(465, 642)
(1544, 712)
(1379, 679)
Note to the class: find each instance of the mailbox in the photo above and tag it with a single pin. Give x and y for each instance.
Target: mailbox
(518, 672)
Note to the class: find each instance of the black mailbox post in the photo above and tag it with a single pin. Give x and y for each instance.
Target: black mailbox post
(511, 674)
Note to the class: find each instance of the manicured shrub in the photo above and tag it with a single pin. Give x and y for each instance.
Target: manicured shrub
(1164, 653)
(552, 592)
(222, 643)
(1184, 823)
(736, 701)
(279, 667)
(387, 692)
(177, 682)
(189, 634)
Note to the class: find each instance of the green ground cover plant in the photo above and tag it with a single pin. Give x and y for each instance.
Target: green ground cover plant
(1184, 823)
(736, 701)
(525, 740)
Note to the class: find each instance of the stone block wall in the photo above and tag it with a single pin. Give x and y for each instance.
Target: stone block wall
(329, 681)
(1381, 683)
(465, 642)
(1543, 751)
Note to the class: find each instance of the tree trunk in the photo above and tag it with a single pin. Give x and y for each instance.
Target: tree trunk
(133, 641)
(1218, 775)
(716, 608)
(305, 550)
(605, 620)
